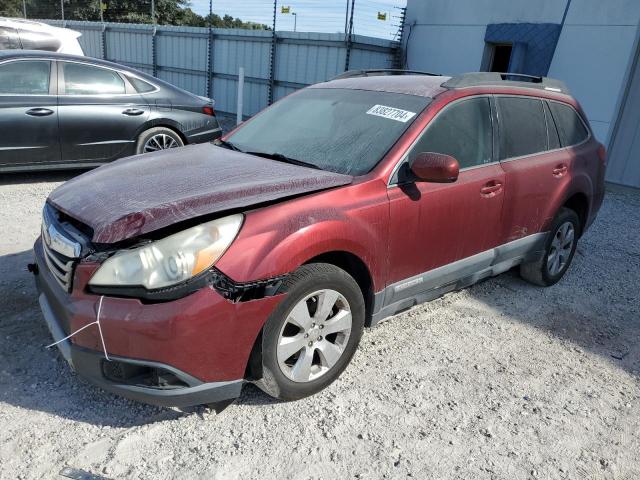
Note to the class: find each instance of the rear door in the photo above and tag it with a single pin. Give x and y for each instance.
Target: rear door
(436, 224)
(28, 113)
(536, 167)
(100, 113)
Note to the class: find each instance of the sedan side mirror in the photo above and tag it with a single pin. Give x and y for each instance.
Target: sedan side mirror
(435, 168)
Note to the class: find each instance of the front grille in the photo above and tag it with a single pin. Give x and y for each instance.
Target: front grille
(61, 267)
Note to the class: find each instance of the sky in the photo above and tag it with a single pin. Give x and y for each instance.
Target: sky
(312, 15)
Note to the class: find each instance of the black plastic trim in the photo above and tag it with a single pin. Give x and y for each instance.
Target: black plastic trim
(213, 278)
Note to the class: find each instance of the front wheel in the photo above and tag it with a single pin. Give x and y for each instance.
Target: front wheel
(312, 335)
(158, 138)
(559, 250)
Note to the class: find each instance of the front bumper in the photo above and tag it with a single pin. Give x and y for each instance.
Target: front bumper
(186, 352)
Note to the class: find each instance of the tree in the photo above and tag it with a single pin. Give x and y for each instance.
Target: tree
(167, 12)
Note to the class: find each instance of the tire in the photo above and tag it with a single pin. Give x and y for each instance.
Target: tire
(165, 138)
(309, 289)
(549, 269)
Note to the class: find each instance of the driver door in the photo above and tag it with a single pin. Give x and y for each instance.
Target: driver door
(433, 225)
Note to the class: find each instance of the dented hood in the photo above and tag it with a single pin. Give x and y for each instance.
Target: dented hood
(144, 193)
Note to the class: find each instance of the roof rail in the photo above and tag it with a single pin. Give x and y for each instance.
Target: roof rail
(511, 79)
(381, 71)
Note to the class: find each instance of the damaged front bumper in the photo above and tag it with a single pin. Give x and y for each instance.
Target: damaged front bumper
(144, 381)
(190, 351)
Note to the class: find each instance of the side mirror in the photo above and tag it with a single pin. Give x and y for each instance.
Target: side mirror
(435, 168)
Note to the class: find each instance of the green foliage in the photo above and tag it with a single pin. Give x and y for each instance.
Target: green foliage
(167, 12)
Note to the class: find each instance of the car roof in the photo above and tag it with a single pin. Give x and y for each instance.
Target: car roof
(35, 26)
(6, 54)
(429, 85)
(419, 85)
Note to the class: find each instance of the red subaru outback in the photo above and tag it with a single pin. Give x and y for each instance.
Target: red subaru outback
(175, 277)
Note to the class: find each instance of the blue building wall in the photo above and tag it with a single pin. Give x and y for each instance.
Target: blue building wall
(533, 44)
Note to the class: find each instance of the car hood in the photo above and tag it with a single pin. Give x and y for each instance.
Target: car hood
(144, 193)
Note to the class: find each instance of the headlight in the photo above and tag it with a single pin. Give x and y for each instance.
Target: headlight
(171, 260)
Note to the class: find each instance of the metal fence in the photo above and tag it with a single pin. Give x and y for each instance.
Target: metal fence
(207, 61)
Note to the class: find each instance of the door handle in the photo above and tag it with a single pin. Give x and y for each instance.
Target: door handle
(560, 170)
(491, 188)
(132, 112)
(39, 112)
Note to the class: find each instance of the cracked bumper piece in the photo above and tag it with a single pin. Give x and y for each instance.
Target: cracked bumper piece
(189, 351)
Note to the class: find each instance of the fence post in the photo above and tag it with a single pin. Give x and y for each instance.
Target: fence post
(104, 42)
(272, 65)
(240, 105)
(349, 38)
(154, 52)
(210, 52)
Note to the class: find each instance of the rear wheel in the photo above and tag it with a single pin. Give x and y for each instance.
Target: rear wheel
(158, 138)
(559, 251)
(311, 337)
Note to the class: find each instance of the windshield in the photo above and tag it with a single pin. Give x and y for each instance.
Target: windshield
(343, 131)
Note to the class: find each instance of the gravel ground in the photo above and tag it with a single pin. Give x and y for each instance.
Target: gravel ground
(502, 380)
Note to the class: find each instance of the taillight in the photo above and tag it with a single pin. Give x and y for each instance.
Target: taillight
(602, 154)
(208, 110)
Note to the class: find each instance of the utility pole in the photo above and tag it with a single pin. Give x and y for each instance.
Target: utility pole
(101, 11)
(346, 20)
(295, 20)
(62, 9)
(349, 37)
(272, 59)
(24, 8)
(153, 12)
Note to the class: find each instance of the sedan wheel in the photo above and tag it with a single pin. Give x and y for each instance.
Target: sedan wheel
(159, 142)
(314, 336)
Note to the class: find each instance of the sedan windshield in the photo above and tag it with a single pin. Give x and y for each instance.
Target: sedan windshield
(343, 131)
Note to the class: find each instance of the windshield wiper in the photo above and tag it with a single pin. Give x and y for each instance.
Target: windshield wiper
(283, 158)
(228, 145)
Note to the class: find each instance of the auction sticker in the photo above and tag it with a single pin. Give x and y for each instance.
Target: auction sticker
(391, 113)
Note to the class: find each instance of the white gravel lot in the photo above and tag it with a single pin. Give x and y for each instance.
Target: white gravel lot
(503, 380)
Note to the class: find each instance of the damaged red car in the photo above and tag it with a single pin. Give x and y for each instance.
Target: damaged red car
(175, 277)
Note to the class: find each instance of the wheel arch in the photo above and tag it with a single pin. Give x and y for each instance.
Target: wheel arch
(164, 123)
(579, 203)
(347, 261)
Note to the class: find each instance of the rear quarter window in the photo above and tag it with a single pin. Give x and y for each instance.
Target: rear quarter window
(570, 128)
(140, 85)
(523, 129)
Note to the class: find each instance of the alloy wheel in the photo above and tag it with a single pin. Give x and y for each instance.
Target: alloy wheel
(561, 248)
(160, 141)
(314, 336)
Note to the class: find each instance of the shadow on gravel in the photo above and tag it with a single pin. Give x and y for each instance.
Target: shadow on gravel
(38, 177)
(595, 308)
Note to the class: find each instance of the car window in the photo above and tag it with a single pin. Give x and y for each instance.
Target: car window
(9, 39)
(523, 129)
(571, 129)
(26, 77)
(463, 130)
(140, 85)
(39, 41)
(552, 131)
(340, 130)
(81, 79)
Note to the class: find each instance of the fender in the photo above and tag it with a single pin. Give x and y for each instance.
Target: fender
(307, 228)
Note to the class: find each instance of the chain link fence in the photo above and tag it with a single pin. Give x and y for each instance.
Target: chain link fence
(378, 18)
